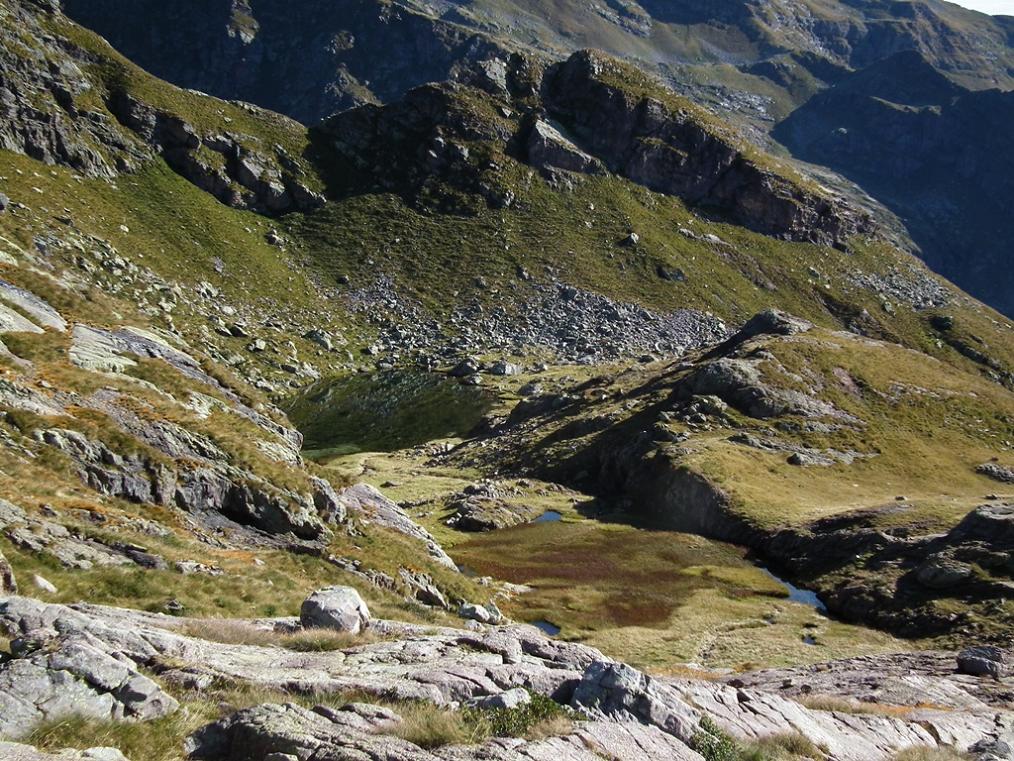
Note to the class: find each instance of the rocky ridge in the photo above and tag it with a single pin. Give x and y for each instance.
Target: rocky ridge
(626, 710)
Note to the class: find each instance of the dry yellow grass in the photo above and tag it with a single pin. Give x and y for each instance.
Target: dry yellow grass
(238, 632)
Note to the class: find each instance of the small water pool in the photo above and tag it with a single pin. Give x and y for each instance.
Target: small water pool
(384, 412)
(804, 596)
(546, 627)
(550, 516)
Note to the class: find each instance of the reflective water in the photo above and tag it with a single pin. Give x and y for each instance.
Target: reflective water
(548, 628)
(550, 516)
(804, 596)
(383, 412)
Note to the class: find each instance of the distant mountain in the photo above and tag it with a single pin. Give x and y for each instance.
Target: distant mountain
(310, 58)
(939, 155)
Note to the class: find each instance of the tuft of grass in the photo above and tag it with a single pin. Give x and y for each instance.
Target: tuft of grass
(234, 632)
(430, 726)
(716, 745)
(325, 640)
(783, 747)
(841, 705)
(931, 754)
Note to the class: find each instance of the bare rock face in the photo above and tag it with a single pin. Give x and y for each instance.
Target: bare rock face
(548, 148)
(215, 487)
(338, 608)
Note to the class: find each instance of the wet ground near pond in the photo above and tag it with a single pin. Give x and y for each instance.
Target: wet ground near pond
(655, 598)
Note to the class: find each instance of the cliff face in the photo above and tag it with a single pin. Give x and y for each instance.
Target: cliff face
(669, 146)
(937, 154)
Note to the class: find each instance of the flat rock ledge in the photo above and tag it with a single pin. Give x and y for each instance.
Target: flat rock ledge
(629, 715)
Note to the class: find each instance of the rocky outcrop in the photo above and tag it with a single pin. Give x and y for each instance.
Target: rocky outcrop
(643, 132)
(626, 709)
(740, 383)
(212, 487)
(238, 176)
(614, 118)
(71, 549)
(48, 111)
(369, 504)
(57, 676)
(40, 115)
(488, 506)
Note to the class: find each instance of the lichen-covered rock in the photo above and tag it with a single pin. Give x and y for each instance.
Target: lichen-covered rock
(51, 678)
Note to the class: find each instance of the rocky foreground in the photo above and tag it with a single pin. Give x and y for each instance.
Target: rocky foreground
(111, 663)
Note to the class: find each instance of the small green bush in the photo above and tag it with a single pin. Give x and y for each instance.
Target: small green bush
(517, 722)
(714, 744)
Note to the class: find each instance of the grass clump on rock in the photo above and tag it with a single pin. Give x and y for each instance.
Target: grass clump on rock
(716, 745)
(430, 726)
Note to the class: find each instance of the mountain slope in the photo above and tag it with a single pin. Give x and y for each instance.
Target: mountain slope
(174, 267)
(246, 49)
(937, 154)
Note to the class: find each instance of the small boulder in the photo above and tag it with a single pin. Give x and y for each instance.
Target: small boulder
(484, 614)
(4, 203)
(338, 608)
(503, 368)
(44, 584)
(942, 572)
(465, 368)
(508, 699)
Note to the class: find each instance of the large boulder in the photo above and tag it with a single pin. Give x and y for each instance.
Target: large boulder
(338, 608)
(986, 660)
